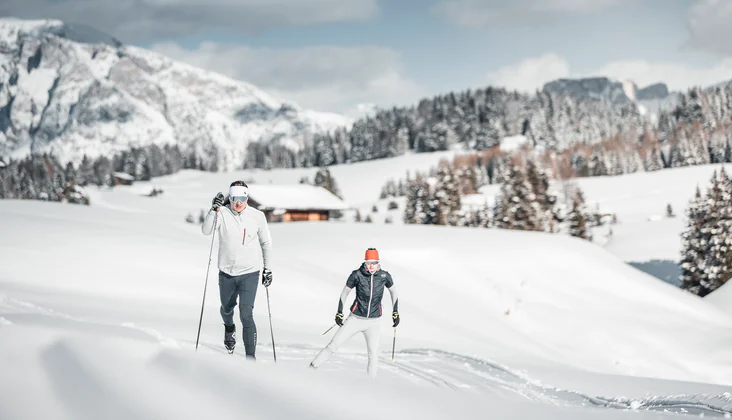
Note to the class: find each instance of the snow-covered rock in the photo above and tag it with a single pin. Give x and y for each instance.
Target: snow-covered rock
(71, 90)
(615, 92)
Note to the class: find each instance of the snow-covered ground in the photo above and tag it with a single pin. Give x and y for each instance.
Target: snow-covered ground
(99, 309)
(722, 297)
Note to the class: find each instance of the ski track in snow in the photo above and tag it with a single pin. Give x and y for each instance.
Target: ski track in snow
(467, 374)
(430, 367)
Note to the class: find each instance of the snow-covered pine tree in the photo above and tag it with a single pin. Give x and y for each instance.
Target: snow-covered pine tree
(156, 161)
(70, 172)
(142, 165)
(695, 244)
(517, 207)
(173, 159)
(577, 217)
(446, 202)
(718, 227)
(103, 172)
(652, 160)
(129, 163)
(324, 179)
(718, 146)
(546, 201)
(597, 165)
(86, 171)
(484, 217)
(418, 196)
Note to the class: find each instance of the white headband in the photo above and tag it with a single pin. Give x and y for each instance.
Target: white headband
(238, 191)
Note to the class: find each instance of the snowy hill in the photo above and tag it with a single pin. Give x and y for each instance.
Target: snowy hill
(526, 325)
(72, 90)
(112, 330)
(722, 297)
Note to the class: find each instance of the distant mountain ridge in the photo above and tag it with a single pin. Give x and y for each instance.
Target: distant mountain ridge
(616, 93)
(72, 90)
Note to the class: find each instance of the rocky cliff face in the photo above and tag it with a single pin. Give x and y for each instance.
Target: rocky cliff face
(72, 90)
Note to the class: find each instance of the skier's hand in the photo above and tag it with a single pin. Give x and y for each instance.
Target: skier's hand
(217, 202)
(266, 277)
(339, 319)
(395, 317)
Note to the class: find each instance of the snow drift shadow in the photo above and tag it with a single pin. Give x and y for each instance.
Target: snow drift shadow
(666, 270)
(84, 394)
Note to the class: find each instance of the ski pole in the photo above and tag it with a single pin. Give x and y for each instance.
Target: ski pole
(326, 332)
(393, 345)
(270, 326)
(200, 321)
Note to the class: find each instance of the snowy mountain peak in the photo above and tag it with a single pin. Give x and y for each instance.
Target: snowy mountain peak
(72, 90)
(12, 29)
(607, 90)
(630, 89)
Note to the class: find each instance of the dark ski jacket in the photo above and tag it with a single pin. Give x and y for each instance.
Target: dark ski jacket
(369, 292)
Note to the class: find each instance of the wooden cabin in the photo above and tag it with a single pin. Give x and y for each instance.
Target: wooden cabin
(121, 178)
(295, 202)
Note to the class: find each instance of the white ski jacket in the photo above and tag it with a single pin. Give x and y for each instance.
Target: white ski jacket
(244, 241)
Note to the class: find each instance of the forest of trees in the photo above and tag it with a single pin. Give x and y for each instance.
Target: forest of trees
(706, 259)
(525, 201)
(594, 138)
(44, 177)
(569, 137)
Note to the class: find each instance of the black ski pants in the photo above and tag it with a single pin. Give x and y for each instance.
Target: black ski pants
(243, 287)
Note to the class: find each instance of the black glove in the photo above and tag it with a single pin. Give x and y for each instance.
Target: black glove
(266, 277)
(395, 317)
(217, 202)
(339, 319)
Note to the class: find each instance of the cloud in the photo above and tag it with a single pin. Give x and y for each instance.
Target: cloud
(530, 74)
(347, 80)
(709, 26)
(473, 13)
(145, 20)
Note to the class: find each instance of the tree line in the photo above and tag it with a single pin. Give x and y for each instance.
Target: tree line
(525, 201)
(44, 177)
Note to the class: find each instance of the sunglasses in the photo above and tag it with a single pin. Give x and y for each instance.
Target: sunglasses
(372, 262)
(239, 198)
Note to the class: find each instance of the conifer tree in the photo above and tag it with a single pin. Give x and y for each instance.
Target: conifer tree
(446, 201)
(539, 181)
(418, 199)
(718, 227)
(324, 179)
(517, 207)
(578, 217)
(694, 246)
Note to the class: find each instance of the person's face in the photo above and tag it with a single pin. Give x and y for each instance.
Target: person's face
(238, 203)
(372, 266)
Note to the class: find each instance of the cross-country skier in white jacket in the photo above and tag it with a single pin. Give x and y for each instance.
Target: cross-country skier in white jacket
(243, 232)
(369, 280)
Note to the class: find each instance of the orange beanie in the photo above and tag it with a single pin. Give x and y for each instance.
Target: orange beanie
(372, 254)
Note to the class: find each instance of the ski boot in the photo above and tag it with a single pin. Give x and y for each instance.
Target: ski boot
(230, 337)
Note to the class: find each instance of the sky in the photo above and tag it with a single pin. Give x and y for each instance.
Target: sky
(349, 56)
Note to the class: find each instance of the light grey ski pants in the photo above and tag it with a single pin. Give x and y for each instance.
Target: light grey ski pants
(351, 326)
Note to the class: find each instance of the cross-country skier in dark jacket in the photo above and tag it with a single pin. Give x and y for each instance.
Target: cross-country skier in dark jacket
(369, 281)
